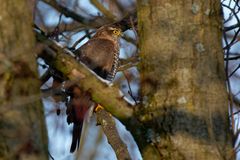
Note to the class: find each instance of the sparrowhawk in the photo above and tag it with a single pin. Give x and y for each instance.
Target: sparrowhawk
(101, 52)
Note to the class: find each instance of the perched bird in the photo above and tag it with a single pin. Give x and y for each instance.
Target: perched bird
(101, 52)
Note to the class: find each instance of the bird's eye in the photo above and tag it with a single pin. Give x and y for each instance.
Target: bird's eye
(117, 32)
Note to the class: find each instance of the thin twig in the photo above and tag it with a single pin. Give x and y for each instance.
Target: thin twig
(81, 39)
(45, 77)
(232, 58)
(102, 9)
(67, 12)
(130, 89)
(128, 63)
(50, 155)
(229, 84)
(234, 71)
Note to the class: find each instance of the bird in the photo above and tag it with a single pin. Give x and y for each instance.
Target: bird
(101, 52)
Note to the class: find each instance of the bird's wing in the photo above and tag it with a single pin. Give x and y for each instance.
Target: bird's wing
(99, 55)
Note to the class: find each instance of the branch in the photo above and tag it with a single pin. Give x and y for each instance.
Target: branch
(67, 12)
(103, 94)
(45, 77)
(129, 21)
(102, 9)
(128, 63)
(107, 123)
(232, 58)
(124, 23)
(229, 28)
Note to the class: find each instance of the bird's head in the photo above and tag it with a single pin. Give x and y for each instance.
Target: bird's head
(108, 32)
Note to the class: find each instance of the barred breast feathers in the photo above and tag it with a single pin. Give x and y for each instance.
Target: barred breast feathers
(111, 75)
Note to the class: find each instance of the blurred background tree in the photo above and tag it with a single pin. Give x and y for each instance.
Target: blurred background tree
(22, 128)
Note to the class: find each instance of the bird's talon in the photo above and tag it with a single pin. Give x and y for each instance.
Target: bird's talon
(99, 107)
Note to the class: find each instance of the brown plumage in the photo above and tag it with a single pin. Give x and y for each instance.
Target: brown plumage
(101, 52)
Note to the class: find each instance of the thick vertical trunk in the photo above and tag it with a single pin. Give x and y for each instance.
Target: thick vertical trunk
(22, 129)
(183, 84)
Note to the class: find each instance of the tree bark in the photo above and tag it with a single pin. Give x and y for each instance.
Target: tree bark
(22, 127)
(185, 105)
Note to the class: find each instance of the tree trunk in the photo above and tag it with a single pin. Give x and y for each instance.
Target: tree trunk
(22, 128)
(185, 107)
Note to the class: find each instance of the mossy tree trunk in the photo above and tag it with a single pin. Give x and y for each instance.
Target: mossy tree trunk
(22, 128)
(185, 105)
